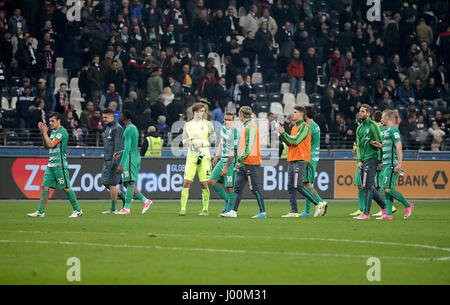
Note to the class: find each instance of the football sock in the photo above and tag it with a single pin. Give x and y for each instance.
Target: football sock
(260, 201)
(205, 198)
(388, 200)
(361, 199)
(140, 197)
(184, 198)
(381, 192)
(44, 198)
(220, 191)
(73, 200)
(400, 198)
(128, 197)
(113, 205)
(230, 201)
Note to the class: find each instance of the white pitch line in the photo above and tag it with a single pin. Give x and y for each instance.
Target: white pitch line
(233, 251)
(261, 237)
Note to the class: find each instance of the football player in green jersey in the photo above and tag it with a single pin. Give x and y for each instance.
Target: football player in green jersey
(392, 165)
(56, 174)
(224, 162)
(310, 172)
(130, 163)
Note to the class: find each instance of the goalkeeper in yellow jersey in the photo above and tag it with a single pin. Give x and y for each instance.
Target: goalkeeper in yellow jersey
(198, 135)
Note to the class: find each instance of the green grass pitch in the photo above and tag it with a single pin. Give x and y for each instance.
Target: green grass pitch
(162, 248)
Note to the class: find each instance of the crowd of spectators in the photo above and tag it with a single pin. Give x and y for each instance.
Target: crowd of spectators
(157, 57)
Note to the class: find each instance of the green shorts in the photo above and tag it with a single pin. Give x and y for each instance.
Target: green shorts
(228, 179)
(203, 169)
(310, 173)
(56, 178)
(131, 168)
(388, 178)
(357, 176)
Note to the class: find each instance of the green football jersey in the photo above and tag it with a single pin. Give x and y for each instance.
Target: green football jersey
(130, 143)
(315, 142)
(390, 137)
(58, 154)
(230, 140)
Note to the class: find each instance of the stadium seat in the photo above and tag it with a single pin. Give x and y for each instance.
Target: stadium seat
(61, 73)
(285, 88)
(273, 87)
(259, 88)
(242, 12)
(240, 39)
(315, 98)
(288, 108)
(231, 107)
(261, 98)
(262, 108)
(274, 98)
(276, 108)
(75, 94)
(288, 98)
(13, 102)
(262, 115)
(257, 78)
(77, 104)
(73, 83)
(302, 99)
(59, 63)
(58, 82)
(216, 58)
(5, 103)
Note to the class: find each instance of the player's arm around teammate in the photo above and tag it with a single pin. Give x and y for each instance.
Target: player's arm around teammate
(299, 155)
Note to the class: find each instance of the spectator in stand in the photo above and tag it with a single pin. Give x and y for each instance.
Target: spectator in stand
(395, 70)
(117, 113)
(250, 50)
(154, 85)
(267, 61)
(424, 32)
(232, 24)
(17, 21)
(46, 94)
(241, 92)
(221, 93)
(116, 76)
(408, 131)
(441, 121)
(336, 65)
(86, 114)
(46, 61)
(406, 92)
(201, 31)
(438, 136)
(95, 84)
(432, 95)
(24, 107)
(95, 128)
(62, 100)
(295, 72)
(38, 115)
(110, 95)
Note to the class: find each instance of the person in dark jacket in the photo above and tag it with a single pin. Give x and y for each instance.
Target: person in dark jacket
(24, 107)
(73, 53)
(310, 63)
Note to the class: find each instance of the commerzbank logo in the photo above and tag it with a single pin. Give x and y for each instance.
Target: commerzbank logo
(440, 180)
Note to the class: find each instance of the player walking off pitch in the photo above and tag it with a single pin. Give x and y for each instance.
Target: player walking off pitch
(130, 164)
(56, 174)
